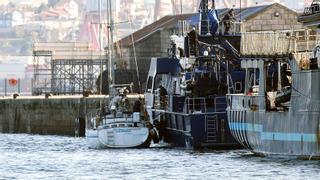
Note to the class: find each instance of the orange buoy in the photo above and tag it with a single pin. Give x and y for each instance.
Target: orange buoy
(13, 82)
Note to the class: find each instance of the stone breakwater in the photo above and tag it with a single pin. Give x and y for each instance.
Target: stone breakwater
(55, 115)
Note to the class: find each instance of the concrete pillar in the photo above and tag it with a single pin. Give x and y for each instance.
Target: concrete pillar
(5, 87)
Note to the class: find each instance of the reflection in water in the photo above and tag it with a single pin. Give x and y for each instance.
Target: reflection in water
(47, 157)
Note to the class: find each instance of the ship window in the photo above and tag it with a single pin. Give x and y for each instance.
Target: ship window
(113, 126)
(157, 81)
(238, 87)
(242, 102)
(121, 125)
(130, 125)
(173, 122)
(149, 84)
(249, 103)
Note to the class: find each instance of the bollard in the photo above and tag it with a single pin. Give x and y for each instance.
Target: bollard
(5, 87)
(47, 95)
(15, 95)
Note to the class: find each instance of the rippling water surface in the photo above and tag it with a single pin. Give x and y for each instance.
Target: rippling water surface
(53, 157)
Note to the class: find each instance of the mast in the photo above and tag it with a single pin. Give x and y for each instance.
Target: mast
(100, 48)
(110, 50)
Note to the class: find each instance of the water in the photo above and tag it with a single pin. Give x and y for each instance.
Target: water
(54, 157)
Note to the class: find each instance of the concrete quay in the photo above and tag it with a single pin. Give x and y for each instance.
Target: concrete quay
(55, 115)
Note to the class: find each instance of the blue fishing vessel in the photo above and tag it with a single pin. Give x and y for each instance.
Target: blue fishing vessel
(185, 93)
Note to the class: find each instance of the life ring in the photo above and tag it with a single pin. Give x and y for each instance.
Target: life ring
(13, 82)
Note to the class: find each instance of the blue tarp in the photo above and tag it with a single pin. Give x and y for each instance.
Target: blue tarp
(194, 20)
(213, 20)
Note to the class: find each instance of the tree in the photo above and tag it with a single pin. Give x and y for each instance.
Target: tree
(52, 3)
(19, 32)
(42, 7)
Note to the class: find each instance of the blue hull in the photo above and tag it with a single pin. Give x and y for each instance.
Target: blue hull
(197, 131)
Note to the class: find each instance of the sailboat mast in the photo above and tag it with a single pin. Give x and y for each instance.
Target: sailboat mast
(100, 48)
(110, 50)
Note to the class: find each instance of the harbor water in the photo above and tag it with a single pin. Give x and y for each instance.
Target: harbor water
(54, 157)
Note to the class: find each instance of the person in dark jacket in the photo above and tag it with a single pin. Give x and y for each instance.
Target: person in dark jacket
(137, 105)
(228, 20)
(162, 93)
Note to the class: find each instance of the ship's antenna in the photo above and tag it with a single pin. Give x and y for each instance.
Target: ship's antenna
(181, 7)
(240, 11)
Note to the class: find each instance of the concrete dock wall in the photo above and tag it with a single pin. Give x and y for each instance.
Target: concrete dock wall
(54, 115)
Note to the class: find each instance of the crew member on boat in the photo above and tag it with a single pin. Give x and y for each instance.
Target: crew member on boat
(162, 93)
(124, 104)
(193, 36)
(284, 76)
(228, 21)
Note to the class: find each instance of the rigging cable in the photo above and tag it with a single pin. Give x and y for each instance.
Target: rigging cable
(135, 56)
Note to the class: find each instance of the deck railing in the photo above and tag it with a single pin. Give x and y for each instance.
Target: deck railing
(205, 105)
(278, 42)
(235, 28)
(313, 9)
(242, 101)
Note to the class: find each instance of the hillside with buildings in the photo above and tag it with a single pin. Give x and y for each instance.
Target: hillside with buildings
(23, 22)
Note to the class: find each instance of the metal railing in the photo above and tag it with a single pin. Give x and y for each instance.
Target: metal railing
(202, 105)
(313, 9)
(235, 28)
(278, 42)
(242, 101)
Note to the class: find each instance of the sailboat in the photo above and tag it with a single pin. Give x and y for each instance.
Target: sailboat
(116, 126)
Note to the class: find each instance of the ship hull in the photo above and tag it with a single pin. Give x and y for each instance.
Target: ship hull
(130, 137)
(197, 131)
(277, 133)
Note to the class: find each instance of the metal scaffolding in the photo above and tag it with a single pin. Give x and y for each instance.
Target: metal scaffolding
(66, 68)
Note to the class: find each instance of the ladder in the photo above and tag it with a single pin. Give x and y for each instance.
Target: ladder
(211, 128)
(110, 137)
(205, 26)
(231, 88)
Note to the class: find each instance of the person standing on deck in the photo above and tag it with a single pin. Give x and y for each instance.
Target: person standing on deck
(228, 21)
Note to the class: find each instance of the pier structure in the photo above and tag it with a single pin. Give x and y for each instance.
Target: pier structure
(66, 68)
(51, 115)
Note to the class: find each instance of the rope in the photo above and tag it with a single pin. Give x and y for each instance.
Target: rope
(135, 56)
(211, 45)
(305, 96)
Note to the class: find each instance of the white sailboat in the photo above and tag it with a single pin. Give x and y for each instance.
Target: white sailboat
(117, 127)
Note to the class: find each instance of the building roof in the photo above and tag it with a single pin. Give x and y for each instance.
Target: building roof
(165, 22)
(171, 21)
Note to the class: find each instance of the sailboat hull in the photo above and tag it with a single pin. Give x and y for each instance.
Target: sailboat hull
(93, 140)
(124, 137)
